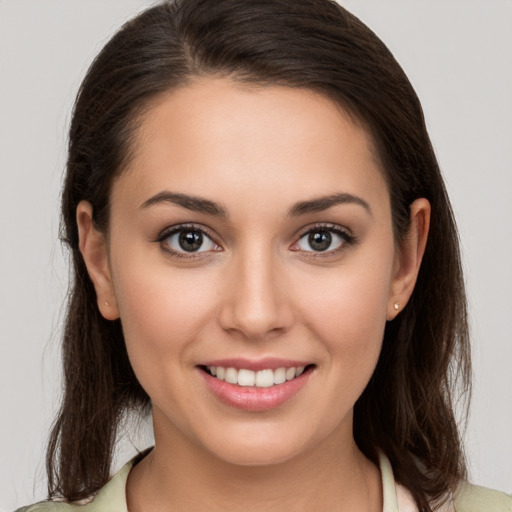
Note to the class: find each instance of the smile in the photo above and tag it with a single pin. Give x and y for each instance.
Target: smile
(261, 379)
(255, 385)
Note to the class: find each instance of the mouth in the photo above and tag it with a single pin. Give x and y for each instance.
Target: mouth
(264, 378)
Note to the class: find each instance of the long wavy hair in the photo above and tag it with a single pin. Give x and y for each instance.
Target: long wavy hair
(407, 409)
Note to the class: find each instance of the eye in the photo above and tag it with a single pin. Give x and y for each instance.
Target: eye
(323, 239)
(188, 240)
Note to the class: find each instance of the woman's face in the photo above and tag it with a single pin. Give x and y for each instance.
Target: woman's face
(251, 236)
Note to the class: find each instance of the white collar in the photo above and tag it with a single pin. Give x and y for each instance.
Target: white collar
(395, 497)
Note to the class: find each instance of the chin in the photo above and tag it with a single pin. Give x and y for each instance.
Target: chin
(261, 447)
(251, 456)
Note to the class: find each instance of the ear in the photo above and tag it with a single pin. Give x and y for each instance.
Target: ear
(93, 246)
(408, 257)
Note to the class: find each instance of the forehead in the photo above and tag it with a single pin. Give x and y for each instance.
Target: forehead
(220, 137)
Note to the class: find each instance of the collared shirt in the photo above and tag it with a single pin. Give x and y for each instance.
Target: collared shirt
(396, 498)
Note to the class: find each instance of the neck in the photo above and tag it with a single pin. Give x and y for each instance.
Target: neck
(179, 476)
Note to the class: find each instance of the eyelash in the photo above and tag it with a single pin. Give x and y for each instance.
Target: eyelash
(346, 240)
(183, 228)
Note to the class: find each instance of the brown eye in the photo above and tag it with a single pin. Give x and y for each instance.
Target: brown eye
(188, 240)
(323, 240)
(320, 240)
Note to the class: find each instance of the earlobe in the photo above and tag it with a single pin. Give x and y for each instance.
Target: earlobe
(409, 257)
(93, 247)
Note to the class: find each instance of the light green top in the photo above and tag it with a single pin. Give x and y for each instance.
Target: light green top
(468, 498)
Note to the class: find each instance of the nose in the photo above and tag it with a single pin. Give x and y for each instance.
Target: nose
(255, 301)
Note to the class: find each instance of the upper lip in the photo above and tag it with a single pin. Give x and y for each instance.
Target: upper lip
(267, 363)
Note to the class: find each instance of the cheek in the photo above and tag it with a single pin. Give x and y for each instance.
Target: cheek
(162, 311)
(347, 311)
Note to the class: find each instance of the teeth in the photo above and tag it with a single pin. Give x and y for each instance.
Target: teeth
(264, 379)
(246, 378)
(260, 379)
(280, 376)
(290, 373)
(231, 376)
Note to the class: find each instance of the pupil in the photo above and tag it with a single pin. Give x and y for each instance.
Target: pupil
(320, 240)
(191, 241)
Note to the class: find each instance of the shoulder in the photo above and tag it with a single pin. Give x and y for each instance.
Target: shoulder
(473, 498)
(86, 505)
(111, 498)
(49, 506)
(100, 503)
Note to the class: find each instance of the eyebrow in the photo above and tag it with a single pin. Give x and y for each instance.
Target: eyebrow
(196, 204)
(201, 205)
(320, 204)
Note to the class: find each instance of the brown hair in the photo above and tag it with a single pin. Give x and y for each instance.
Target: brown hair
(407, 408)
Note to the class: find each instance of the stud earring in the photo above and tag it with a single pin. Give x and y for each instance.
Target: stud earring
(396, 306)
(106, 303)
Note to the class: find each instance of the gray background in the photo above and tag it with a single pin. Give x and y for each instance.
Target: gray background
(458, 55)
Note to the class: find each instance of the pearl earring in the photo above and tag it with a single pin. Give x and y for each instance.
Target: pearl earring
(396, 306)
(106, 303)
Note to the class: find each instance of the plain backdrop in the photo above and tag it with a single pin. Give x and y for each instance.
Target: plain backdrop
(458, 55)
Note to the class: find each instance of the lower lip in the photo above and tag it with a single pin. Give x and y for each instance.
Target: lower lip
(253, 398)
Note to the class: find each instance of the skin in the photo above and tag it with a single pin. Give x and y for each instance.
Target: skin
(258, 290)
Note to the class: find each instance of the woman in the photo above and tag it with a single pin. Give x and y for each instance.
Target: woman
(266, 257)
